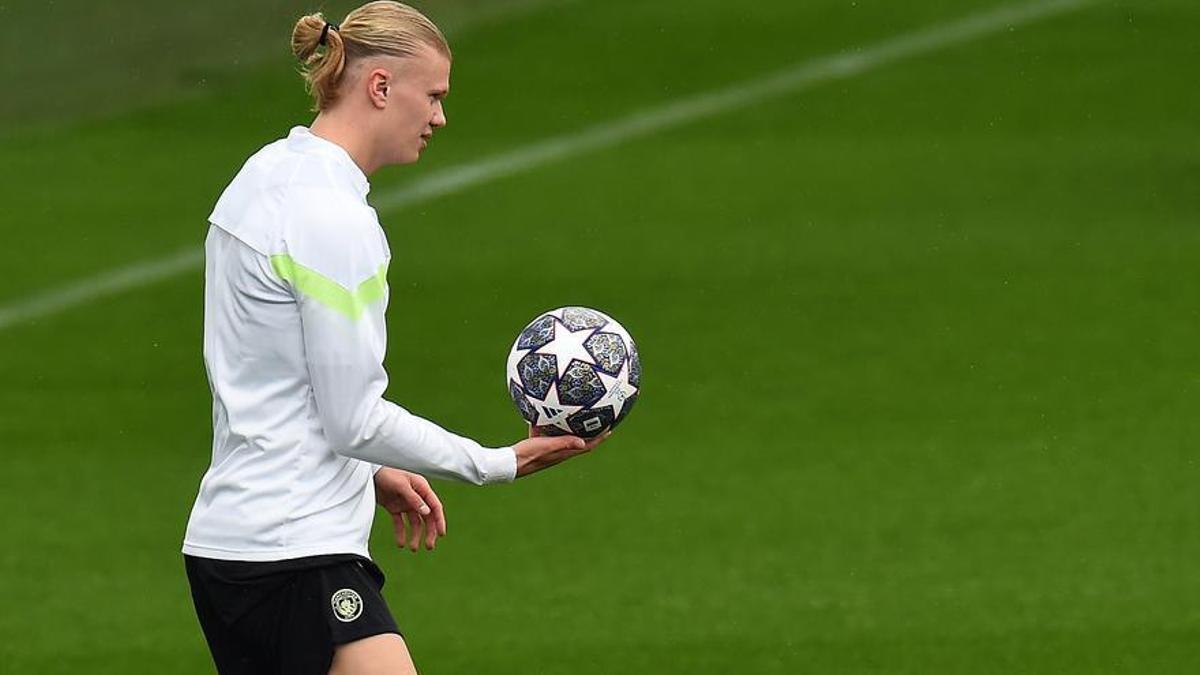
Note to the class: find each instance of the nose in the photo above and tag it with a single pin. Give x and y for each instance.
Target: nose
(439, 116)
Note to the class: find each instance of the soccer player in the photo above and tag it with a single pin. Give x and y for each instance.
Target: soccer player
(294, 336)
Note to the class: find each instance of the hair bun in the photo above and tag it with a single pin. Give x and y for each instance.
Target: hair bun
(308, 35)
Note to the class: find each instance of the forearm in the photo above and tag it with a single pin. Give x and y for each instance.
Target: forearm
(391, 436)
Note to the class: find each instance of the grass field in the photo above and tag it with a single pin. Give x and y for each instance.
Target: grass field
(920, 342)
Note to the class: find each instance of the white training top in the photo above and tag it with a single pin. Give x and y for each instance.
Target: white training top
(294, 340)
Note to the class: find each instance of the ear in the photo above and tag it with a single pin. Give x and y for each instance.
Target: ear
(378, 81)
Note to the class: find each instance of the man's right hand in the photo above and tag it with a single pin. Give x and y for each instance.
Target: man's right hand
(539, 452)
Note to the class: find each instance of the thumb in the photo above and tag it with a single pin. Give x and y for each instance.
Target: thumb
(566, 443)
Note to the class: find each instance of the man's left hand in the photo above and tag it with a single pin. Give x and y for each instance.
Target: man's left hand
(415, 510)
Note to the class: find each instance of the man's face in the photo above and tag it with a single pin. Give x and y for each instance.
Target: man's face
(414, 104)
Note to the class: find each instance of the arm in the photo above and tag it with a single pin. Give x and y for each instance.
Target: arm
(345, 342)
(337, 270)
(348, 384)
(335, 263)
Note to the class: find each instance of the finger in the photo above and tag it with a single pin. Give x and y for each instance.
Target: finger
(578, 446)
(558, 449)
(564, 444)
(592, 443)
(435, 521)
(436, 514)
(414, 530)
(406, 516)
(431, 534)
(535, 454)
(397, 521)
(535, 432)
(411, 497)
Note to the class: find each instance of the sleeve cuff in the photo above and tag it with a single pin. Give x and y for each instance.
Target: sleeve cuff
(498, 465)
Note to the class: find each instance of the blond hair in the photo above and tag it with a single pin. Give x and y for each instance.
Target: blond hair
(382, 27)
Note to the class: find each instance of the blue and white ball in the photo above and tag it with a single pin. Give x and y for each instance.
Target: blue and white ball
(574, 370)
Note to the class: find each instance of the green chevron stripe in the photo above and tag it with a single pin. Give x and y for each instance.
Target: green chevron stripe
(328, 292)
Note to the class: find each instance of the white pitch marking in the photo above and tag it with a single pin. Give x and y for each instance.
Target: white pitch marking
(786, 81)
(449, 181)
(109, 283)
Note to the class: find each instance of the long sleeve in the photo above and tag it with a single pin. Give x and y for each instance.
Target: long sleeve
(295, 290)
(345, 339)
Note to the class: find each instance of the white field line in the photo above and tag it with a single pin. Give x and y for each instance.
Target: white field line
(107, 283)
(449, 181)
(783, 82)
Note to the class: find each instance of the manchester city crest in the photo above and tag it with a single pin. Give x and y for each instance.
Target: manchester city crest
(347, 605)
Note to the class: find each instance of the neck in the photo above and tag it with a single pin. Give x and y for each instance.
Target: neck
(340, 130)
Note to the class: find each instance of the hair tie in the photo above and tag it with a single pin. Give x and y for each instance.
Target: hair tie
(325, 32)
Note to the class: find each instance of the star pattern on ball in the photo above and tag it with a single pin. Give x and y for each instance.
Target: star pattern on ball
(567, 345)
(552, 413)
(514, 358)
(617, 390)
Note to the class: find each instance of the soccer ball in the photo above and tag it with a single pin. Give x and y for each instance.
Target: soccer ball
(574, 370)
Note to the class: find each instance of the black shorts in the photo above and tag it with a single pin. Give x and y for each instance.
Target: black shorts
(287, 616)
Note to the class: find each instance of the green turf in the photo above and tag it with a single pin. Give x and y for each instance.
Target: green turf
(919, 345)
